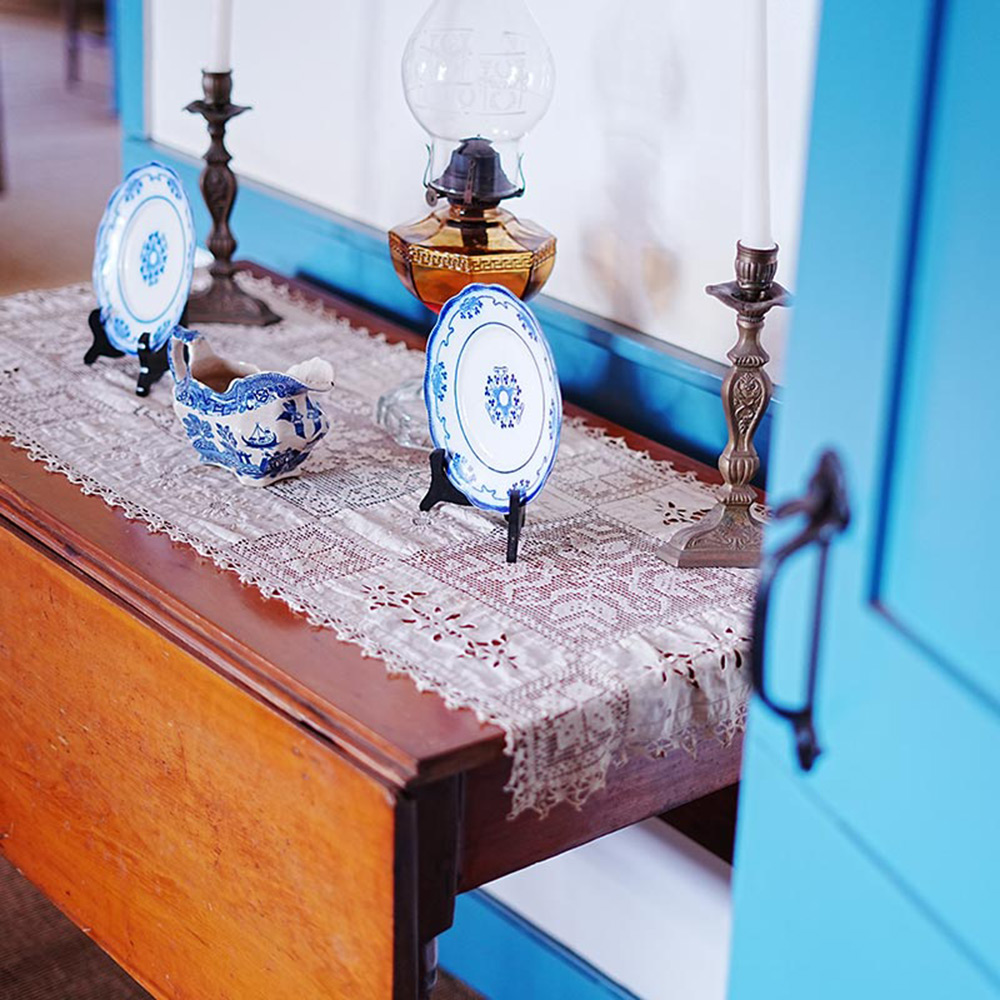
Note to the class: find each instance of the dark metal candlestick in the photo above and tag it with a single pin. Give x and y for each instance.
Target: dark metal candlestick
(730, 533)
(223, 301)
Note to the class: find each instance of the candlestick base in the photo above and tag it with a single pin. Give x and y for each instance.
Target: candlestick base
(225, 302)
(731, 533)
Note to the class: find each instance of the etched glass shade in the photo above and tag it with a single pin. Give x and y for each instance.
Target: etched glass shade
(477, 69)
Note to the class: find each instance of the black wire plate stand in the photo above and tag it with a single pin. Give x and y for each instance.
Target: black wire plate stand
(152, 364)
(442, 490)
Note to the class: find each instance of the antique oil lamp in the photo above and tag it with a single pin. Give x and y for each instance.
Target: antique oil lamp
(477, 75)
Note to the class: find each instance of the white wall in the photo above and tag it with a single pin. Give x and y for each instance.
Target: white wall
(635, 168)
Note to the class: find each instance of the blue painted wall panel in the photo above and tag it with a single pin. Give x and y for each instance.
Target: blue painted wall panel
(901, 194)
(828, 922)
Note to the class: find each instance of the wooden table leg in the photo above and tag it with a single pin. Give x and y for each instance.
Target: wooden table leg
(440, 810)
(428, 968)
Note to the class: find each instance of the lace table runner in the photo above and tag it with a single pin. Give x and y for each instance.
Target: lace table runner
(587, 650)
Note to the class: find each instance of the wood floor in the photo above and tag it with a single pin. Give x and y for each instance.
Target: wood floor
(61, 153)
(45, 957)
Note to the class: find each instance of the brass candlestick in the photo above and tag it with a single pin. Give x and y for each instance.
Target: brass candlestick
(223, 301)
(730, 533)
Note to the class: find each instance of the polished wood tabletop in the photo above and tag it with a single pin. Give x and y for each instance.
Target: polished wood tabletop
(235, 803)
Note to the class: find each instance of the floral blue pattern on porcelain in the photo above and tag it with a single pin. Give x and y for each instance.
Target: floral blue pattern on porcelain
(261, 425)
(503, 397)
(153, 257)
(470, 307)
(439, 381)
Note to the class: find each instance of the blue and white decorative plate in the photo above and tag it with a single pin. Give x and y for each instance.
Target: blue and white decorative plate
(144, 257)
(493, 398)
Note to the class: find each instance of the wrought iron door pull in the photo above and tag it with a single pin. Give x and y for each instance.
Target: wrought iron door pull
(827, 512)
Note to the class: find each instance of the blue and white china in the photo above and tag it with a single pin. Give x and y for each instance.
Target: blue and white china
(492, 394)
(261, 425)
(144, 257)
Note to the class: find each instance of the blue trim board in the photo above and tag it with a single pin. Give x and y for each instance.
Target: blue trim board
(296, 238)
(111, 19)
(128, 31)
(504, 957)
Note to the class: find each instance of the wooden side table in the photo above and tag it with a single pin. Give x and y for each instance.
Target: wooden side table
(234, 803)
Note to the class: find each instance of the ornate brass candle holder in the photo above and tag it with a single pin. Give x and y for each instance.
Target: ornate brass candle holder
(223, 301)
(730, 533)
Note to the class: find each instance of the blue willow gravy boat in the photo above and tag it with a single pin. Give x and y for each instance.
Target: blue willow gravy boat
(259, 425)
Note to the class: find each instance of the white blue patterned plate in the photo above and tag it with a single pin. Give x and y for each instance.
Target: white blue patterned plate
(493, 399)
(144, 257)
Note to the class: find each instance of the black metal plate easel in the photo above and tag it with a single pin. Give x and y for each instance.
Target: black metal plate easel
(442, 490)
(152, 364)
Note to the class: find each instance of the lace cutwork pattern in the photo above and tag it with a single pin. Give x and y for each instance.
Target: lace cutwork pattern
(587, 650)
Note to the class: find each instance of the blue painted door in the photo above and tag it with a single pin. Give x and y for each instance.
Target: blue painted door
(877, 873)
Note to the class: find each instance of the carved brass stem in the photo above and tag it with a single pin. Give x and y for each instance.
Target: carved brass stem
(223, 301)
(730, 534)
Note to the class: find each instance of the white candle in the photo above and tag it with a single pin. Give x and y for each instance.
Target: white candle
(756, 230)
(221, 35)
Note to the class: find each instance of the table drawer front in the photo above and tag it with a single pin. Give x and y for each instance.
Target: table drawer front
(211, 846)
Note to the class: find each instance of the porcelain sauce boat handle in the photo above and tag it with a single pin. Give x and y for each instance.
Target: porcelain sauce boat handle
(179, 366)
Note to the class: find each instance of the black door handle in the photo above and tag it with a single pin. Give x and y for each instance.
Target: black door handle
(827, 512)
